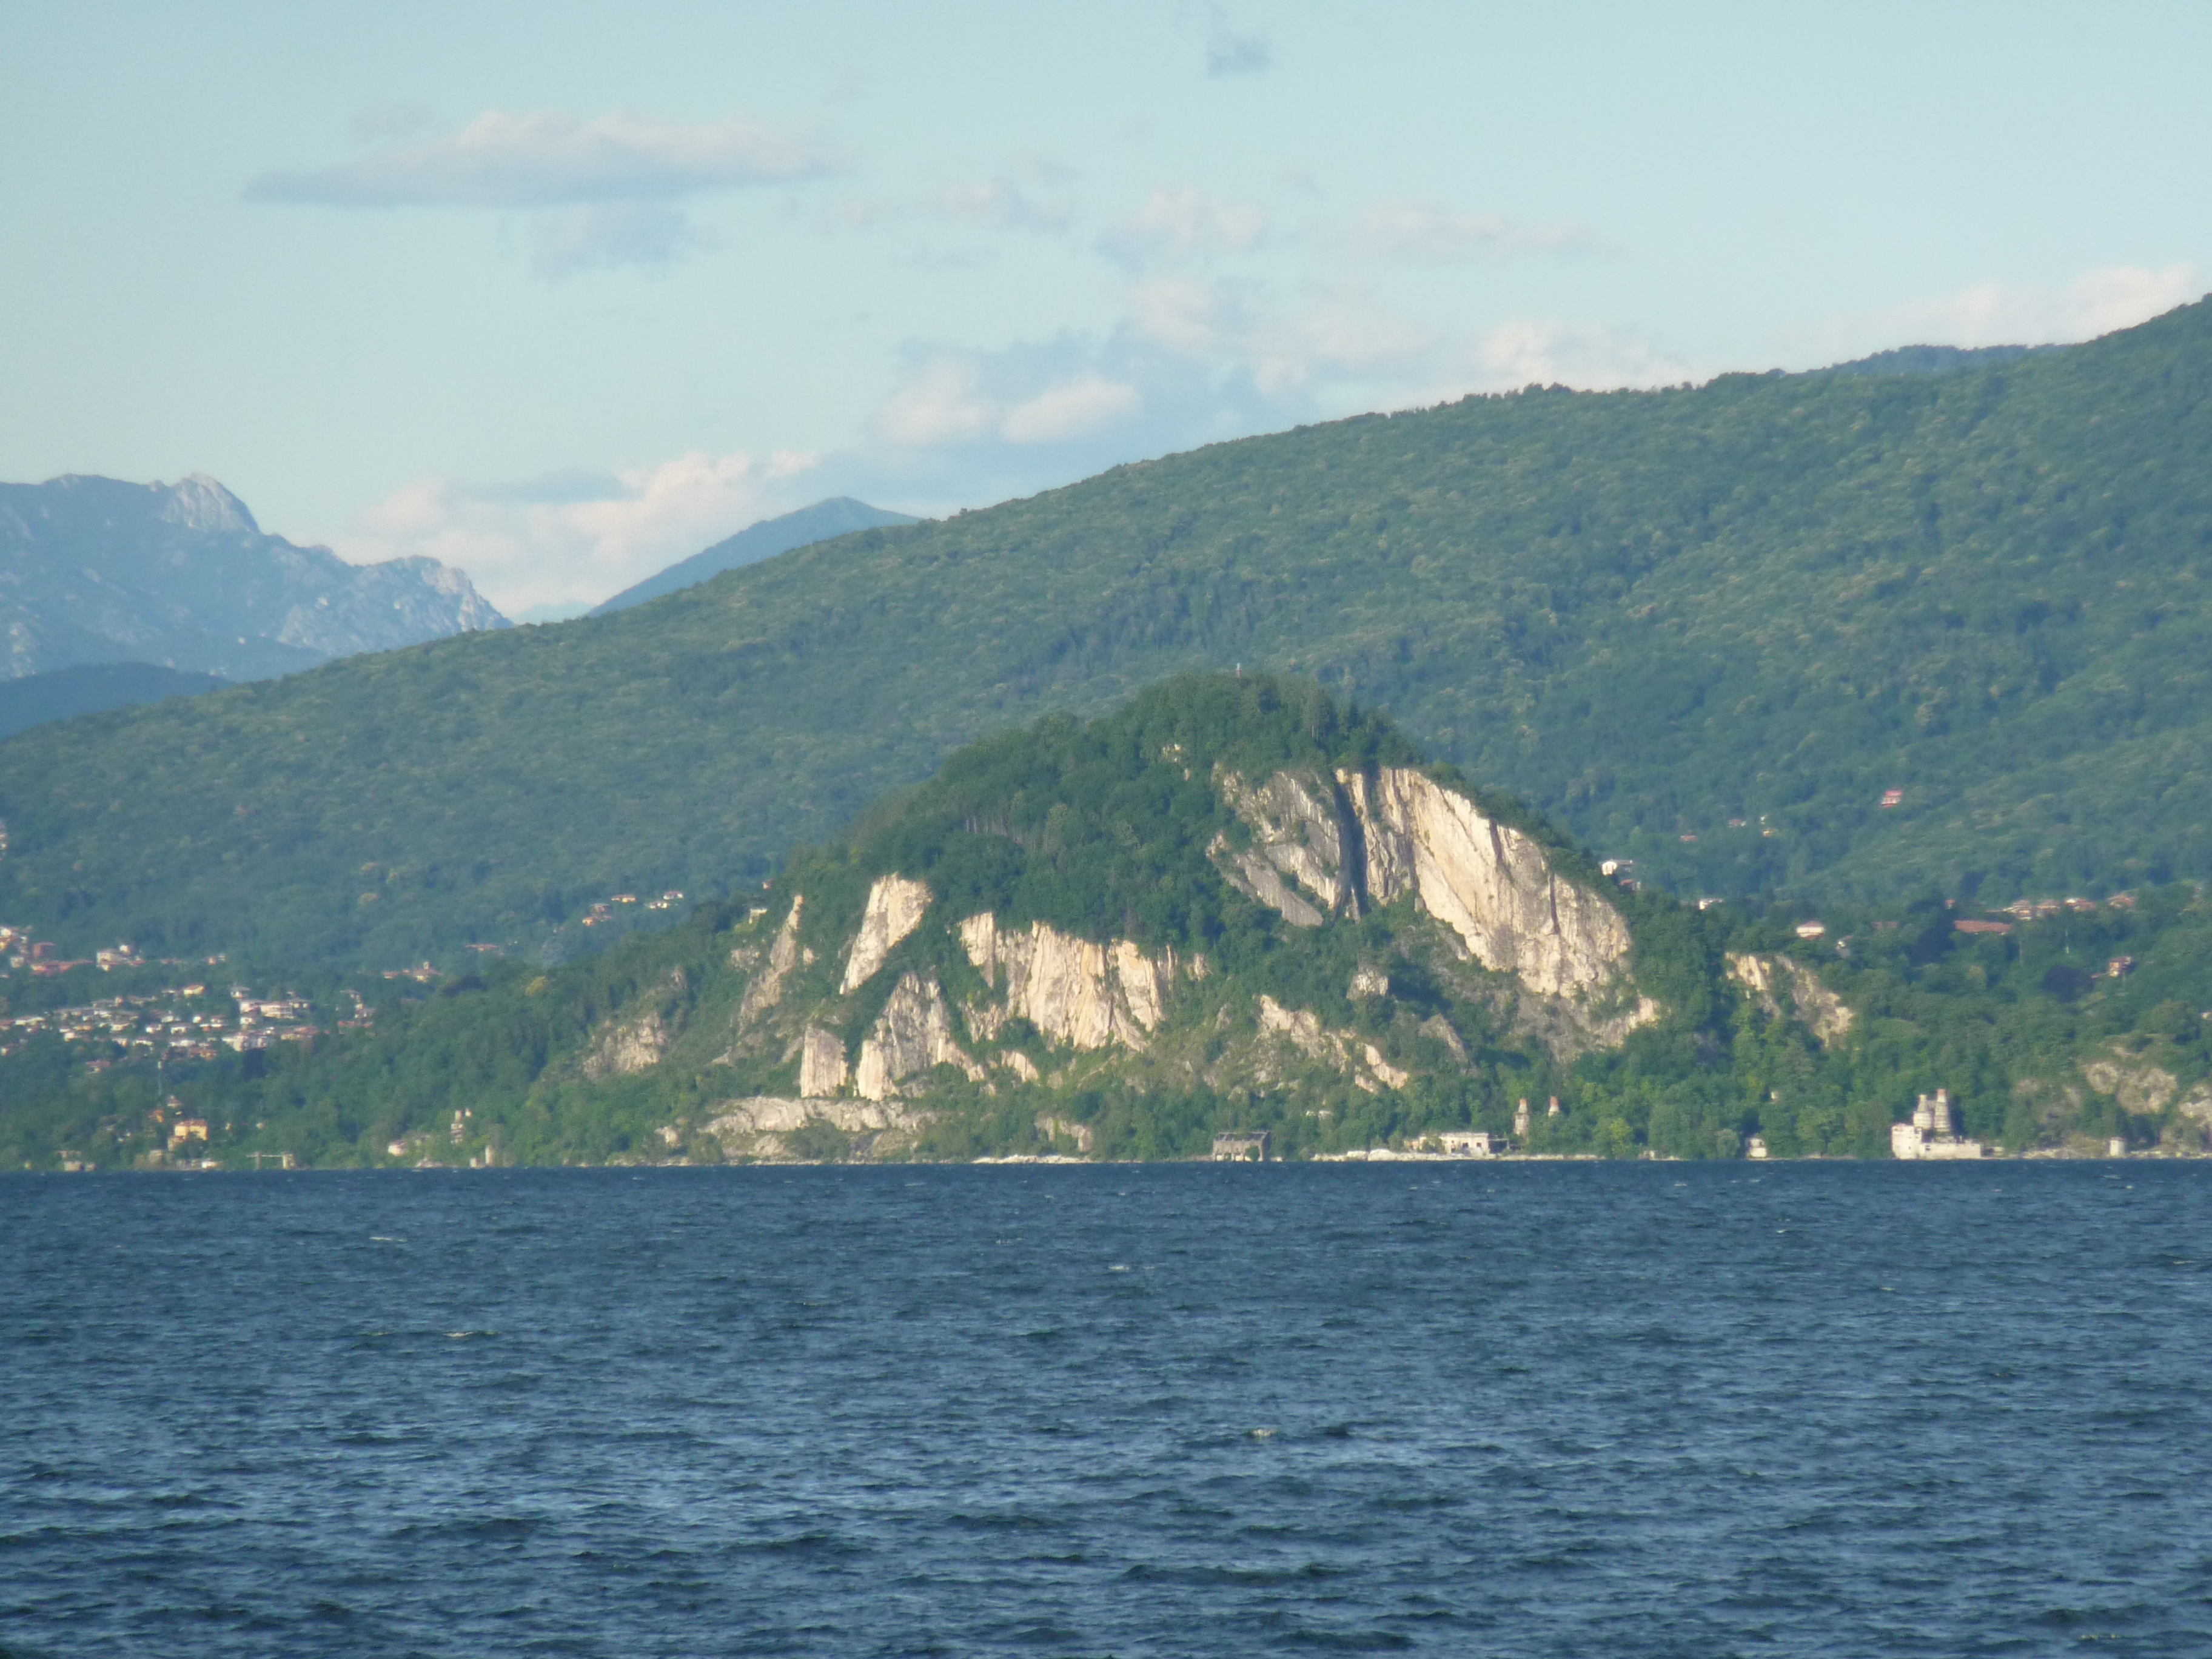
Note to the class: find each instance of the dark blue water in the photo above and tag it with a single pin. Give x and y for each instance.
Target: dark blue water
(1525, 1409)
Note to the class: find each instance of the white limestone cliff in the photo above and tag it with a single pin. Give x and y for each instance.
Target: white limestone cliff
(1816, 1005)
(1491, 884)
(913, 1033)
(636, 1045)
(1295, 864)
(1346, 1050)
(766, 989)
(822, 1069)
(1078, 994)
(895, 909)
(756, 1126)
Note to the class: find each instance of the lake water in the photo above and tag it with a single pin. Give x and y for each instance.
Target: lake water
(1524, 1409)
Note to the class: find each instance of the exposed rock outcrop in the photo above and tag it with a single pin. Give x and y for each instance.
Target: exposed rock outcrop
(1491, 884)
(632, 1046)
(1060, 1129)
(913, 1033)
(758, 1126)
(895, 909)
(1297, 837)
(2138, 1085)
(1821, 1009)
(1078, 994)
(822, 1068)
(1436, 1026)
(1345, 1050)
(766, 989)
(1368, 980)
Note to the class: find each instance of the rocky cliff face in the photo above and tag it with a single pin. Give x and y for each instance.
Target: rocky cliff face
(1770, 978)
(1299, 841)
(633, 1046)
(1345, 1050)
(1320, 846)
(913, 1033)
(1078, 994)
(895, 909)
(764, 1126)
(766, 989)
(1330, 847)
(1490, 884)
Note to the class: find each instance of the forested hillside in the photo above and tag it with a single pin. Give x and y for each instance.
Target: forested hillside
(1704, 627)
(1233, 906)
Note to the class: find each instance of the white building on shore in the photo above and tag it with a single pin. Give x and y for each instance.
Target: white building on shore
(1933, 1132)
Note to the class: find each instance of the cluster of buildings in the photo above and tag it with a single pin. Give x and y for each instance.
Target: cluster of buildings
(19, 952)
(2037, 909)
(604, 911)
(167, 1025)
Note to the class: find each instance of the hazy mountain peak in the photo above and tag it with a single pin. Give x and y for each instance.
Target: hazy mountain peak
(198, 503)
(839, 515)
(98, 570)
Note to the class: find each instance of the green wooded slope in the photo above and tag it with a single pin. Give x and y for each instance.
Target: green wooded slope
(1647, 613)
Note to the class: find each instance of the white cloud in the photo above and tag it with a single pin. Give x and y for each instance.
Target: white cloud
(1080, 408)
(942, 402)
(548, 158)
(1031, 397)
(1990, 314)
(1183, 224)
(1421, 233)
(573, 539)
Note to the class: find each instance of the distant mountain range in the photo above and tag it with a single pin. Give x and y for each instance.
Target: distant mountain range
(1830, 635)
(96, 570)
(838, 516)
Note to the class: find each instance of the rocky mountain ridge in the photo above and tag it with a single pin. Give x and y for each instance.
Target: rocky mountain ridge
(97, 570)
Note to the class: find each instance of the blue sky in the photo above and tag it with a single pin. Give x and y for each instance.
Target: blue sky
(561, 292)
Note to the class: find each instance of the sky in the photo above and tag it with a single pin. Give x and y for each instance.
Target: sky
(561, 294)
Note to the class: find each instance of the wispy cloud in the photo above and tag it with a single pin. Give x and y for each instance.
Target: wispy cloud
(1081, 408)
(550, 158)
(1050, 394)
(1180, 224)
(1193, 359)
(1422, 233)
(572, 539)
